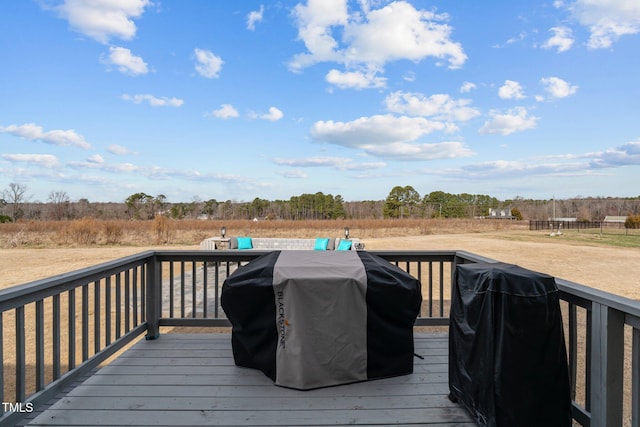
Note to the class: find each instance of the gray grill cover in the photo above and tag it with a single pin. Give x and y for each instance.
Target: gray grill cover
(311, 319)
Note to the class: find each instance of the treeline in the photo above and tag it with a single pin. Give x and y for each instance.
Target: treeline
(405, 202)
(401, 202)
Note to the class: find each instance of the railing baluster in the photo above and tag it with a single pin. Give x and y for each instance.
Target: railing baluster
(96, 317)
(85, 322)
(143, 280)
(194, 299)
(171, 290)
(127, 301)
(441, 288)
(430, 288)
(143, 298)
(119, 304)
(56, 337)
(72, 328)
(135, 304)
(20, 355)
(182, 308)
(420, 279)
(204, 290)
(39, 345)
(107, 311)
(573, 348)
(216, 291)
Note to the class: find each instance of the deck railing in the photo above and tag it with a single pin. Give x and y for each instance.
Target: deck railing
(56, 330)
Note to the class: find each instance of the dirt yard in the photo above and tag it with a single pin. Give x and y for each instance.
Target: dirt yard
(603, 267)
(606, 268)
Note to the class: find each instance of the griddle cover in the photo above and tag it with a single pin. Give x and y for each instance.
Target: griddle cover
(311, 319)
(507, 357)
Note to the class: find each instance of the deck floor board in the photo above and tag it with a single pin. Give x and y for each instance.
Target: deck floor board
(191, 379)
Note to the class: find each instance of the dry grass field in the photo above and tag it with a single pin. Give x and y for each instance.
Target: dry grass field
(30, 251)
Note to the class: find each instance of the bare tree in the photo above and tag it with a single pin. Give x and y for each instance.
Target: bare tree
(15, 195)
(59, 203)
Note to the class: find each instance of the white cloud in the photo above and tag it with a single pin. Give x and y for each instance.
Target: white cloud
(44, 160)
(103, 19)
(118, 150)
(372, 37)
(410, 76)
(406, 151)
(122, 167)
(96, 158)
(314, 23)
(339, 163)
(513, 40)
(399, 31)
(389, 136)
(125, 61)
(438, 106)
(560, 165)
(467, 87)
(33, 132)
(153, 101)
(562, 39)
(607, 20)
(226, 111)
(363, 166)
(355, 79)
(208, 64)
(558, 88)
(311, 161)
(624, 155)
(514, 168)
(96, 162)
(515, 120)
(511, 90)
(253, 17)
(379, 129)
(273, 115)
(294, 174)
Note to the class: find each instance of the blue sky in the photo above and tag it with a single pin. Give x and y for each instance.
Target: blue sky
(234, 100)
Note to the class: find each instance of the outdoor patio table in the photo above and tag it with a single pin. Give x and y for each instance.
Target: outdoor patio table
(310, 319)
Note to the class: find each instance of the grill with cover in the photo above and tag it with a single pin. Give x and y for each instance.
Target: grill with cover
(310, 319)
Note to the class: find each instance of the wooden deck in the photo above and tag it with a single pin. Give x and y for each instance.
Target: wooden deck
(191, 379)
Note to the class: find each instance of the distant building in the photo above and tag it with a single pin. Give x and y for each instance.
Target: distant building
(500, 214)
(615, 219)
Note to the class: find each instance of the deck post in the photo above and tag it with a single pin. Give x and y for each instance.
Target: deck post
(154, 297)
(607, 366)
(635, 378)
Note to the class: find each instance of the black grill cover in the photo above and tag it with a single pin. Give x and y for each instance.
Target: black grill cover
(507, 357)
(310, 319)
